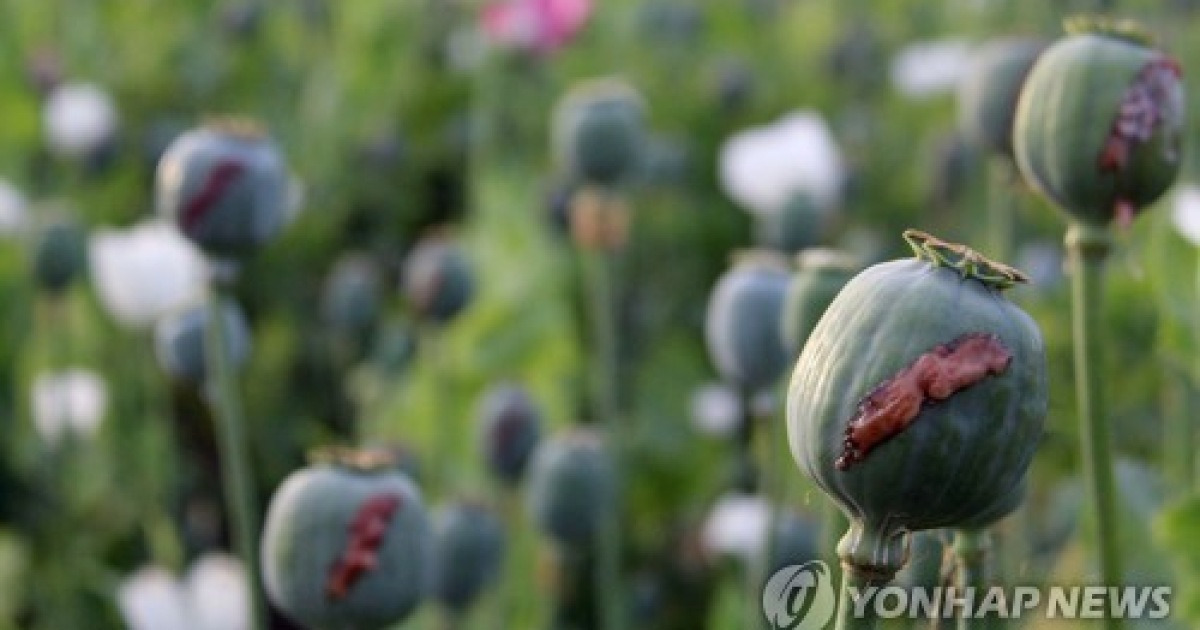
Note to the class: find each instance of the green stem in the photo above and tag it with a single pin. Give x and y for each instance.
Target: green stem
(847, 619)
(600, 280)
(1087, 247)
(1001, 209)
(432, 348)
(236, 474)
(1177, 429)
(972, 550)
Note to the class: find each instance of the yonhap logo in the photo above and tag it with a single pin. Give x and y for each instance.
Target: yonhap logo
(800, 597)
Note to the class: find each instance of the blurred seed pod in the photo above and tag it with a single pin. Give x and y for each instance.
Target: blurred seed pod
(988, 91)
(510, 426)
(599, 220)
(955, 166)
(394, 347)
(795, 541)
(599, 131)
(857, 59)
(1100, 122)
(468, 543)
(798, 225)
(742, 327)
(79, 119)
(180, 341)
(670, 22)
(351, 299)
(225, 185)
(733, 85)
(572, 487)
(820, 275)
(346, 543)
(59, 254)
(438, 280)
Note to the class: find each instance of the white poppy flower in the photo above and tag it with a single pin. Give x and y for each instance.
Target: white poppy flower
(1185, 212)
(763, 167)
(152, 599)
(217, 593)
(715, 409)
(72, 400)
(14, 210)
(213, 596)
(929, 68)
(145, 272)
(78, 118)
(737, 526)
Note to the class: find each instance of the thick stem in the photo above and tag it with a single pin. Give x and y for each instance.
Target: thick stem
(599, 269)
(1087, 247)
(972, 551)
(236, 475)
(871, 554)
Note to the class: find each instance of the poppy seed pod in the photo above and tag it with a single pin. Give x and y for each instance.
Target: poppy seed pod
(1099, 125)
(988, 92)
(346, 543)
(741, 328)
(468, 543)
(820, 275)
(799, 224)
(572, 487)
(438, 281)
(599, 130)
(180, 341)
(225, 186)
(350, 301)
(510, 425)
(59, 255)
(795, 541)
(919, 399)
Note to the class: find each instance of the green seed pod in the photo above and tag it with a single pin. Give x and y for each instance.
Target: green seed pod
(351, 298)
(572, 487)
(225, 185)
(346, 543)
(438, 280)
(919, 399)
(795, 541)
(468, 549)
(1099, 126)
(987, 95)
(510, 425)
(820, 275)
(180, 341)
(599, 131)
(59, 255)
(799, 224)
(742, 325)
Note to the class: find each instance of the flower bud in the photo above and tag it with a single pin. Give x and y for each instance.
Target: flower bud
(1099, 126)
(225, 186)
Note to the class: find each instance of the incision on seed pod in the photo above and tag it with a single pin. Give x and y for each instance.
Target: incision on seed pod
(366, 535)
(1151, 99)
(934, 376)
(219, 179)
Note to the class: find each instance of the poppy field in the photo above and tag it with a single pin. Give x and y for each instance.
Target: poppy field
(599, 315)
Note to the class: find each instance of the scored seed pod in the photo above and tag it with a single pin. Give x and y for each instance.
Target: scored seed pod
(599, 131)
(572, 487)
(225, 185)
(820, 275)
(510, 425)
(438, 280)
(988, 92)
(742, 327)
(468, 542)
(59, 254)
(346, 543)
(179, 341)
(919, 399)
(1099, 124)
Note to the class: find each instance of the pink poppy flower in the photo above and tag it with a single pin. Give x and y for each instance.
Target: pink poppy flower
(542, 26)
